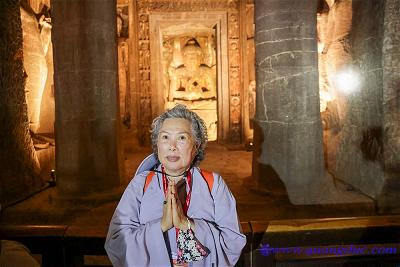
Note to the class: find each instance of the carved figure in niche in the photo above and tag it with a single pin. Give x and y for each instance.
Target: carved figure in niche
(144, 59)
(124, 84)
(209, 51)
(192, 80)
(234, 82)
(142, 6)
(252, 102)
(235, 109)
(233, 4)
(45, 32)
(143, 27)
(233, 26)
(35, 46)
(123, 55)
(166, 61)
(122, 22)
(145, 83)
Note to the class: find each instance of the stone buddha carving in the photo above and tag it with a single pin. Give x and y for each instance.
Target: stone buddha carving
(192, 80)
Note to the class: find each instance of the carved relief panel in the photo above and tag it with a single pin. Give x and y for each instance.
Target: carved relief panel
(234, 72)
(189, 68)
(187, 49)
(191, 57)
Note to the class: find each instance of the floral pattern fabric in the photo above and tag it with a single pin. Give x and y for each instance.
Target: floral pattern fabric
(189, 248)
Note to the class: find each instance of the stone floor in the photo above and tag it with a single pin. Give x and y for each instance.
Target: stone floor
(253, 201)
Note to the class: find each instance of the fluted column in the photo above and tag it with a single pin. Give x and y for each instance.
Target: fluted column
(86, 93)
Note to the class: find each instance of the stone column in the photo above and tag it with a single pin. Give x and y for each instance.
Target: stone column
(86, 94)
(288, 125)
(390, 197)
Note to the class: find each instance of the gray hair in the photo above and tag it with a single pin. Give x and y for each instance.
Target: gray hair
(198, 127)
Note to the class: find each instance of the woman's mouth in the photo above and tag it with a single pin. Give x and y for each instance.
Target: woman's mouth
(173, 158)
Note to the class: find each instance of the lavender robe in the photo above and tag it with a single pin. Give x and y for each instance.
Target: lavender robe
(135, 237)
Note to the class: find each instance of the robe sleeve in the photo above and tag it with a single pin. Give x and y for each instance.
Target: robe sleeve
(223, 236)
(130, 243)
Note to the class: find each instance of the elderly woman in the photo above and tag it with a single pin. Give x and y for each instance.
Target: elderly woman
(172, 213)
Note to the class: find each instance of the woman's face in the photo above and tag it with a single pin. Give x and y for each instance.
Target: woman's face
(176, 146)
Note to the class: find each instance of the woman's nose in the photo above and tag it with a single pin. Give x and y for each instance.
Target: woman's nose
(172, 146)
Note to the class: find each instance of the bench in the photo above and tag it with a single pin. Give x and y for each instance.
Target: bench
(68, 245)
(318, 241)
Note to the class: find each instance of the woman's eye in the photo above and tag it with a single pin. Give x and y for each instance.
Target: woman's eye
(164, 137)
(182, 138)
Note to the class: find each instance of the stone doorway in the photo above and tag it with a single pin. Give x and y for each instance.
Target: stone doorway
(188, 59)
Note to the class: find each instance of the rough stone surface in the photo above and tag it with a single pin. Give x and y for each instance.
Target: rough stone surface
(391, 84)
(87, 114)
(391, 106)
(359, 149)
(35, 67)
(18, 162)
(287, 112)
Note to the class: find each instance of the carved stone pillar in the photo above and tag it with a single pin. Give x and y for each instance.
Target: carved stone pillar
(87, 114)
(235, 77)
(288, 131)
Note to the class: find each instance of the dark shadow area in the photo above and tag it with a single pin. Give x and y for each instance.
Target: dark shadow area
(372, 144)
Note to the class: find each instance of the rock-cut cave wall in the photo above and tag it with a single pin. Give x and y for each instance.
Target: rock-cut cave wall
(18, 162)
